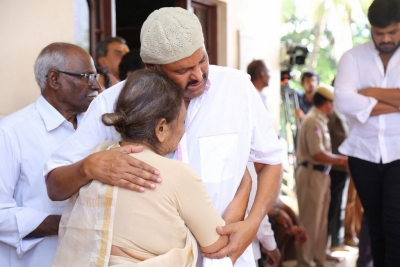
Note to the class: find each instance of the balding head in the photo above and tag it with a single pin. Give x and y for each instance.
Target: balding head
(56, 56)
(67, 78)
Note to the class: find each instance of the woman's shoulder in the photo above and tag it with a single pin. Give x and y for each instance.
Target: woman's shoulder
(168, 166)
(105, 145)
(183, 167)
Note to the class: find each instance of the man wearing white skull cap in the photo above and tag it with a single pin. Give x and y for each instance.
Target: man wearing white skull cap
(226, 127)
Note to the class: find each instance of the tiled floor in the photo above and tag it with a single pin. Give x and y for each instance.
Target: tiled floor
(348, 259)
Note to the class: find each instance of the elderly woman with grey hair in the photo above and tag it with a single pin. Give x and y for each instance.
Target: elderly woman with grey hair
(110, 226)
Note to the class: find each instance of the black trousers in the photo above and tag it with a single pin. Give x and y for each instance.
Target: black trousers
(364, 247)
(336, 213)
(378, 186)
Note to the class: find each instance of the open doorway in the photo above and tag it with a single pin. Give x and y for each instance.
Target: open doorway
(130, 15)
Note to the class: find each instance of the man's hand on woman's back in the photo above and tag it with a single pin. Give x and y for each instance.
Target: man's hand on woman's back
(116, 167)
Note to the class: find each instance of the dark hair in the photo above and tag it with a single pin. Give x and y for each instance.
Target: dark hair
(382, 13)
(131, 61)
(147, 97)
(102, 46)
(105, 72)
(308, 74)
(285, 74)
(319, 100)
(255, 68)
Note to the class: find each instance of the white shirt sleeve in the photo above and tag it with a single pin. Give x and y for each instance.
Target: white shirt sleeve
(89, 133)
(347, 99)
(265, 145)
(265, 235)
(15, 222)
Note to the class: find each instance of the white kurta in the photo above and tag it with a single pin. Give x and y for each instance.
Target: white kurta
(27, 139)
(226, 127)
(370, 138)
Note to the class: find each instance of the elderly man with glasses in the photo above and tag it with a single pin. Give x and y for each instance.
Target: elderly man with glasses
(29, 220)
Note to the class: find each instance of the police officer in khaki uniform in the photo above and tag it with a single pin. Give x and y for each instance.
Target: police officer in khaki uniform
(312, 176)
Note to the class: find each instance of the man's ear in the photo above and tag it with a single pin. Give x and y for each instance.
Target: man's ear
(150, 66)
(129, 72)
(161, 130)
(53, 79)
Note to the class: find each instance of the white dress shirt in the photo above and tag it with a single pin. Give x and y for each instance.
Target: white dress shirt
(27, 139)
(263, 98)
(226, 127)
(373, 138)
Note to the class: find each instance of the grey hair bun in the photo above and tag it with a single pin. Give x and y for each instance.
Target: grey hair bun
(116, 119)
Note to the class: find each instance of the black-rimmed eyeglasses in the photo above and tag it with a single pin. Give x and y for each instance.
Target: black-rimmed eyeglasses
(89, 76)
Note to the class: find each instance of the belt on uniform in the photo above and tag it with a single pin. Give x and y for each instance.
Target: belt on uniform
(321, 168)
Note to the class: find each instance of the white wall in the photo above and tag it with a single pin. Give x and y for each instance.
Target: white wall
(251, 29)
(27, 26)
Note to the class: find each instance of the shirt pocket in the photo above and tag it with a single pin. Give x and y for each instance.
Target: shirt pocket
(218, 157)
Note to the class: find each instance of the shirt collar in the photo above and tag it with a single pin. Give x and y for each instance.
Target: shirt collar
(320, 115)
(51, 117)
(306, 100)
(373, 47)
(208, 85)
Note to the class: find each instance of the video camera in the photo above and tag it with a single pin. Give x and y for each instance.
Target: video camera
(296, 54)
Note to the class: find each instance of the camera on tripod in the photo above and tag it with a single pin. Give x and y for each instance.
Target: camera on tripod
(296, 54)
(293, 54)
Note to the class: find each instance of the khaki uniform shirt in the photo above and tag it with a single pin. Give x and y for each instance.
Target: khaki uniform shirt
(313, 137)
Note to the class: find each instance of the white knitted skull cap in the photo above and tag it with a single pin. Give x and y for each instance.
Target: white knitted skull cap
(170, 34)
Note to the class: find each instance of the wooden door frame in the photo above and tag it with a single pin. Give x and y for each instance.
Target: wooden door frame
(211, 35)
(100, 16)
(100, 26)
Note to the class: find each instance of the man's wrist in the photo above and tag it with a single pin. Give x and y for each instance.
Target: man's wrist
(83, 168)
(342, 161)
(253, 222)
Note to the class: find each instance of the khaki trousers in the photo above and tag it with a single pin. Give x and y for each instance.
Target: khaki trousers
(313, 195)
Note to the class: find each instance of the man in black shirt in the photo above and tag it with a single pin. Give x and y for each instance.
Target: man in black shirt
(309, 82)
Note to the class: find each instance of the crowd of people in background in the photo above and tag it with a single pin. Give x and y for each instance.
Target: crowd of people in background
(367, 99)
(156, 158)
